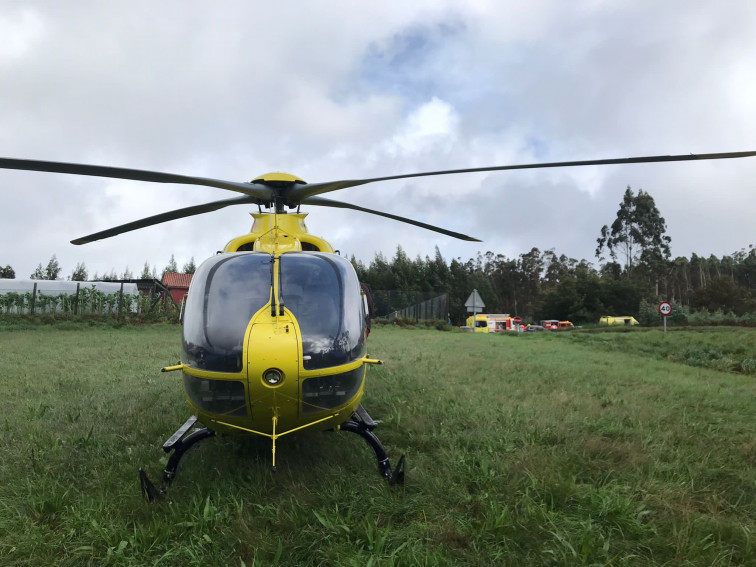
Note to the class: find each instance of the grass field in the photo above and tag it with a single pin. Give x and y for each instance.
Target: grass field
(534, 449)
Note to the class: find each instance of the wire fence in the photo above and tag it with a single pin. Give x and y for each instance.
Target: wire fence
(86, 299)
(410, 304)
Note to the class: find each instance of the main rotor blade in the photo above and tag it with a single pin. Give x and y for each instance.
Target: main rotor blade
(165, 217)
(323, 202)
(301, 192)
(261, 192)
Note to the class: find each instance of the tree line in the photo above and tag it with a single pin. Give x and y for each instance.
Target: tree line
(637, 273)
(545, 285)
(634, 271)
(53, 270)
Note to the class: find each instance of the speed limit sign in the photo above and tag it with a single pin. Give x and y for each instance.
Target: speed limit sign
(665, 308)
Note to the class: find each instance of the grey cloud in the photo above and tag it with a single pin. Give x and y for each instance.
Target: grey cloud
(233, 93)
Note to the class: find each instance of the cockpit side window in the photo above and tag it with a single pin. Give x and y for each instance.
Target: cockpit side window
(226, 292)
(323, 293)
(236, 290)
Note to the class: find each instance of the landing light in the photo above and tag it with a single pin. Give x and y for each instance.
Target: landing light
(272, 377)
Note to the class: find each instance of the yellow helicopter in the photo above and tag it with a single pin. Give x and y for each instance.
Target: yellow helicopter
(274, 329)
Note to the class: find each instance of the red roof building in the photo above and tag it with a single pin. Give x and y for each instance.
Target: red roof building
(177, 284)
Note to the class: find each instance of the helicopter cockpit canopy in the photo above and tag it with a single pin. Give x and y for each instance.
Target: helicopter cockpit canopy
(320, 290)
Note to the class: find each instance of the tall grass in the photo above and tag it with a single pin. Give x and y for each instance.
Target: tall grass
(535, 449)
(719, 348)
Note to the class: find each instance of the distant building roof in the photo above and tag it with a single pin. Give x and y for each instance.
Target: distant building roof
(171, 280)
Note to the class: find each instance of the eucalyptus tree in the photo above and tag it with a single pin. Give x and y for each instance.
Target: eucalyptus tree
(79, 273)
(638, 236)
(638, 229)
(49, 272)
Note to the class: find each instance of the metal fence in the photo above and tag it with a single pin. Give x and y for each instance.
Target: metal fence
(21, 297)
(436, 307)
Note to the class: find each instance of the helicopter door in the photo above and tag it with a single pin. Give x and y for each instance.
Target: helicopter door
(273, 368)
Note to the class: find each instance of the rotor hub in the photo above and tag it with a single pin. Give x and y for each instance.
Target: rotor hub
(278, 179)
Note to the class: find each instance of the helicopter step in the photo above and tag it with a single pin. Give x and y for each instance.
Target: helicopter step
(180, 442)
(180, 432)
(362, 424)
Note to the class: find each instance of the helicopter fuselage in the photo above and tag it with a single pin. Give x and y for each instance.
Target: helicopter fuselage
(274, 333)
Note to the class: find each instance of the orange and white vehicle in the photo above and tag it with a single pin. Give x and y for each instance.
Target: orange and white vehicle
(494, 323)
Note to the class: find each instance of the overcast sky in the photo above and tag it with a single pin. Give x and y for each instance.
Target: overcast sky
(335, 90)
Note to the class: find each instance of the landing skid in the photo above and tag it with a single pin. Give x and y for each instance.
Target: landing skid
(362, 424)
(187, 436)
(180, 442)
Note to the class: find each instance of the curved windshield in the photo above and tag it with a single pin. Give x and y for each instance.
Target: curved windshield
(321, 290)
(323, 293)
(226, 291)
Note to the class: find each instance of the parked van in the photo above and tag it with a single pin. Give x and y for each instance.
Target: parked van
(623, 320)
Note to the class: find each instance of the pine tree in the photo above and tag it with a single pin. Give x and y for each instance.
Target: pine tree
(172, 267)
(190, 267)
(146, 273)
(110, 276)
